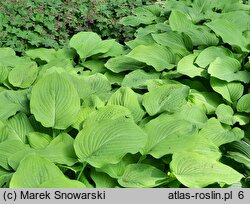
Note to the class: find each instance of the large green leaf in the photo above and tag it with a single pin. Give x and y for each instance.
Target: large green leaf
(106, 141)
(7, 149)
(117, 170)
(60, 151)
(19, 126)
(214, 131)
(113, 112)
(89, 43)
(199, 35)
(231, 91)
(225, 114)
(192, 113)
(4, 72)
(238, 16)
(38, 140)
(209, 54)
(5, 177)
(123, 63)
(4, 131)
(169, 97)
(13, 60)
(197, 171)
(207, 101)
(11, 102)
(128, 98)
(23, 75)
(173, 40)
(187, 67)
(34, 171)
(96, 66)
(240, 152)
(87, 86)
(55, 102)
(141, 40)
(137, 79)
(239, 157)
(155, 55)
(228, 69)
(42, 53)
(142, 176)
(102, 180)
(6, 51)
(243, 104)
(172, 132)
(229, 33)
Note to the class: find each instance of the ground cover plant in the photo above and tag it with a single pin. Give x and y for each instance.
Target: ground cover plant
(167, 109)
(26, 24)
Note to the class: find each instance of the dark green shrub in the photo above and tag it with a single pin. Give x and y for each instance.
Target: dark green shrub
(27, 24)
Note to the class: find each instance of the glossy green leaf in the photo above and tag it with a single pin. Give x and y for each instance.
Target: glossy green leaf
(214, 131)
(4, 131)
(23, 75)
(209, 54)
(197, 171)
(38, 140)
(102, 180)
(243, 104)
(34, 171)
(95, 66)
(6, 51)
(228, 69)
(240, 151)
(187, 67)
(239, 157)
(172, 40)
(241, 118)
(137, 79)
(117, 170)
(19, 126)
(123, 63)
(168, 98)
(85, 43)
(231, 91)
(207, 101)
(113, 112)
(4, 72)
(172, 133)
(199, 35)
(60, 151)
(8, 148)
(106, 141)
(89, 43)
(225, 114)
(55, 102)
(229, 32)
(5, 177)
(142, 176)
(11, 102)
(154, 55)
(127, 97)
(192, 113)
(42, 53)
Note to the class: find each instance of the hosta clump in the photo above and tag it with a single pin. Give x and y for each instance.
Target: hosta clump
(169, 109)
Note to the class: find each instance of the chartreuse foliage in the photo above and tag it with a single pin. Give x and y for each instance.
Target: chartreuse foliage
(172, 105)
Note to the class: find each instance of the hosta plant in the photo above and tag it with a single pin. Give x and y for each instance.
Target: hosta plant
(168, 109)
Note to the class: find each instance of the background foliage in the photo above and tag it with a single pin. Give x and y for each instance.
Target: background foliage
(28, 24)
